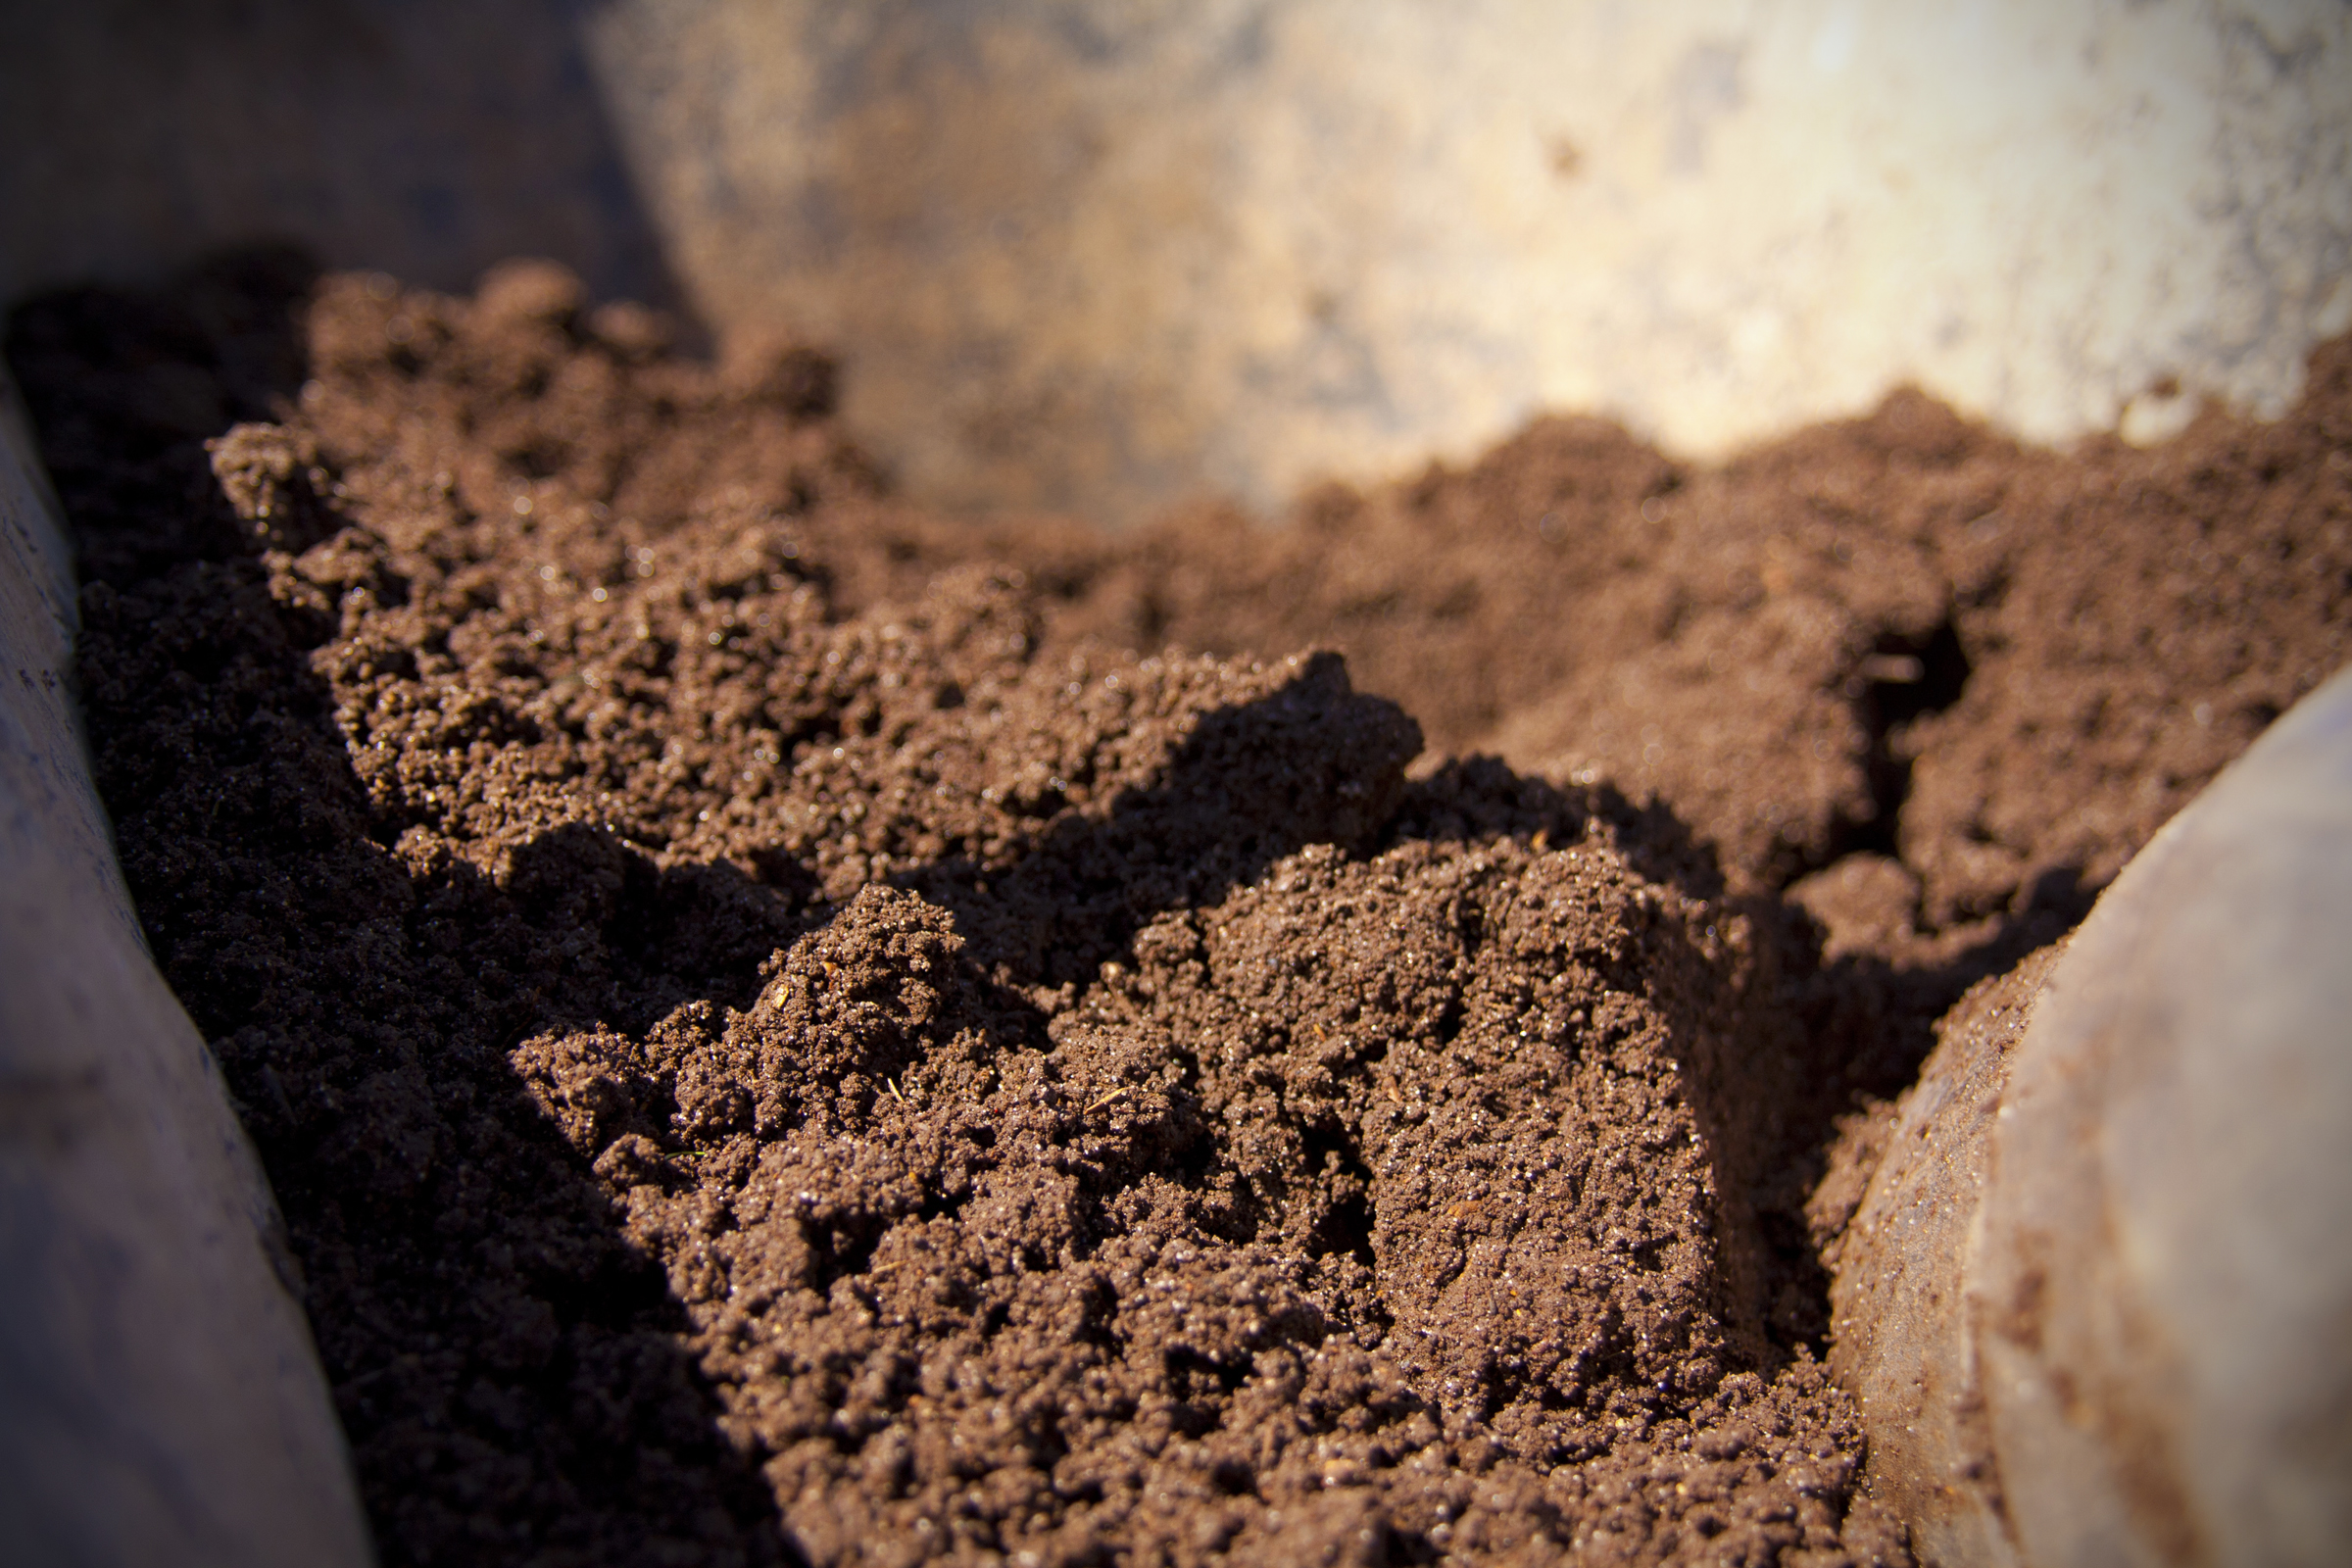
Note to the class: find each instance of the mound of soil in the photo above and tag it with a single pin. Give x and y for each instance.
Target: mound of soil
(786, 1026)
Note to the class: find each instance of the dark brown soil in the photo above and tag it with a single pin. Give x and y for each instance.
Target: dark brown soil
(786, 1025)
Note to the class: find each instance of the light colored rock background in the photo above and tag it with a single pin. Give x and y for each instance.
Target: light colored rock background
(1085, 252)
(1097, 254)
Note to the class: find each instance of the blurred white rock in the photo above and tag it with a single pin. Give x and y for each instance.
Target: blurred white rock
(1094, 256)
(2098, 1299)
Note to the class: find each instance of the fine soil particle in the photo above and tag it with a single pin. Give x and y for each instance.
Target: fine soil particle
(784, 1027)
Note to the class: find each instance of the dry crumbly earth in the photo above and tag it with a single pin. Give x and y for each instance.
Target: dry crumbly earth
(788, 1027)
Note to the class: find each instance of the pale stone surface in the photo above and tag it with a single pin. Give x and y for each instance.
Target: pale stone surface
(1090, 255)
(1096, 256)
(160, 1400)
(2162, 1290)
(2093, 1299)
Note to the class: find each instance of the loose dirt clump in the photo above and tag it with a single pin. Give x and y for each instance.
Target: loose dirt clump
(786, 1026)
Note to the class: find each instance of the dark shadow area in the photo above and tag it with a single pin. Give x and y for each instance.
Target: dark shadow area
(506, 1359)
(1866, 1027)
(1346, 1229)
(505, 1363)
(432, 138)
(1881, 1015)
(1901, 680)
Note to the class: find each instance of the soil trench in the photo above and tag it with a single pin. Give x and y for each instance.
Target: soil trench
(786, 1027)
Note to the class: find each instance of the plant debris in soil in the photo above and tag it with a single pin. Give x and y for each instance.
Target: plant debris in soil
(788, 1027)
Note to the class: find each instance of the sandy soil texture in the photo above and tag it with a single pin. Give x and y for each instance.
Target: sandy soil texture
(786, 1025)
